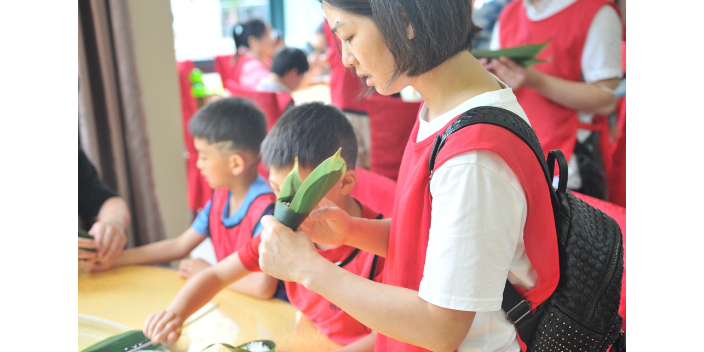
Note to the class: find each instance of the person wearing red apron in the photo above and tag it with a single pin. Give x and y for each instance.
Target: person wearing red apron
(254, 49)
(562, 95)
(484, 216)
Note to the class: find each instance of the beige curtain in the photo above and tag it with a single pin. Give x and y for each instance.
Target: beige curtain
(111, 122)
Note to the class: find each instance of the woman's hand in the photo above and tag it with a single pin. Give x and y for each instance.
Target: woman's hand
(163, 327)
(285, 254)
(511, 73)
(328, 224)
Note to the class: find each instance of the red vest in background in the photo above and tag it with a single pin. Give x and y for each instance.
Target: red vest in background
(555, 125)
(227, 240)
(410, 227)
(346, 88)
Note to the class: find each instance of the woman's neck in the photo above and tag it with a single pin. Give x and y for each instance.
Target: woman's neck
(453, 82)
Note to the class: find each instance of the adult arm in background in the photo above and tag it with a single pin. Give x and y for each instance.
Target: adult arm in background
(601, 67)
(96, 201)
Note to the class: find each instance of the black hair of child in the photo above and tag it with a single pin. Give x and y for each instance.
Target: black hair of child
(242, 32)
(314, 132)
(441, 28)
(287, 59)
(233, 120)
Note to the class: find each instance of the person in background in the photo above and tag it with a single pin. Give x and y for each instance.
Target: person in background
(105, 210)
(486, 17)
(575, 84)
(288, 70)
(254, 49)
(311, 133)
(227, 135)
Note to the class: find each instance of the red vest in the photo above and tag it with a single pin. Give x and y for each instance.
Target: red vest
(408, 239)
(555, 125)
(227, 240)
(332, 321)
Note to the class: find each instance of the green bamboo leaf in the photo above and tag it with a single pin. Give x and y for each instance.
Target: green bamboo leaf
(523, 55)
(291, 184)
(84, 234)
(120, 343)
(318, 183)
(252, 346)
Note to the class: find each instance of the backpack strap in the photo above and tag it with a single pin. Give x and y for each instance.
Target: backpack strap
(518, 311)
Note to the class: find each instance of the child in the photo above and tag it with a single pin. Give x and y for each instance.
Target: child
(227, 134)
(253, 50)
(288, 70)
(577, 82)
(313, 132)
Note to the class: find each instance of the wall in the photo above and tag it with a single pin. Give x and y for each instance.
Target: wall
(154, 49)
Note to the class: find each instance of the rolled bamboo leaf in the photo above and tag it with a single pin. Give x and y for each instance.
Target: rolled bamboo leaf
(291, 183)
(523, 55)
(252, 346)
(120, 343)
(84, 234)
(292, 211)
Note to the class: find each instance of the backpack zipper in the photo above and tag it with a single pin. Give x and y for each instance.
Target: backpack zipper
(604, 284)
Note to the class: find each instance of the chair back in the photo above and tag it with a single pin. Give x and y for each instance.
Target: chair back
(223, 66)
(272, 104)
(391, 121)
(375, 190)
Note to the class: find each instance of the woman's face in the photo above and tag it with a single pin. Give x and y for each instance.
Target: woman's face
(264, 46)
(363, 49)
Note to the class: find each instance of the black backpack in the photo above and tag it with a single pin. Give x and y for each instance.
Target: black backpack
(582, 313)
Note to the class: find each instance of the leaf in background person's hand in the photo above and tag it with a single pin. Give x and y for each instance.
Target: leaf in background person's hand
(523, 55)
(83, 234)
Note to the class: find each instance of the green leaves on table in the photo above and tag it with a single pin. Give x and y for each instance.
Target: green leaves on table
(83, 234)
(297, 200)
(252, 346)
(120, 343)
(523, 55)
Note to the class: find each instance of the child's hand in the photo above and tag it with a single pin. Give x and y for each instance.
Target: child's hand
(109, 239)
(163, 327)
(189, 267)
(102, 264)
(328, 224)
(86, 259)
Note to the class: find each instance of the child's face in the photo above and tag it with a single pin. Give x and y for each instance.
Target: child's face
(277, 177)
(214, 164)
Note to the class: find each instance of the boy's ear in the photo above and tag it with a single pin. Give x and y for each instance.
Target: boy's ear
(237, 164)
(347, 182)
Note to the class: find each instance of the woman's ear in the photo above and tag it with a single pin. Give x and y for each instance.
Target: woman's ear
(348, 181)
(237, 164)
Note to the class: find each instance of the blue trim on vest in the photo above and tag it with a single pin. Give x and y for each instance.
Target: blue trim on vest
(258, 188)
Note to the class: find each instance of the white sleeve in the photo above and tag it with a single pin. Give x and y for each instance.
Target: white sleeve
(601, 57)
(478, 214)
(495, 43)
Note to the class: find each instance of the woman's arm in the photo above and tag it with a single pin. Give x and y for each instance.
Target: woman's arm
(393, 311)
(165, 326)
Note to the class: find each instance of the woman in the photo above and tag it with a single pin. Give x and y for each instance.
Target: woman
(254, 51)
(454, 239)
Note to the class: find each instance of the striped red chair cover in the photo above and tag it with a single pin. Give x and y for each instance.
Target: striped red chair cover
(391, 121)
(375, 190)
(619, 214)
(198, 189)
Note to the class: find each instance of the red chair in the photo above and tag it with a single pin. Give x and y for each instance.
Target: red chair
(198, 189)
(619, 214)
(272, 104)
(375, 190)
(391, 121)
(617, 175)
(224, 67)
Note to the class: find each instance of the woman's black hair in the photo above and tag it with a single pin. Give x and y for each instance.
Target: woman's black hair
(441, 28)
(242, 32)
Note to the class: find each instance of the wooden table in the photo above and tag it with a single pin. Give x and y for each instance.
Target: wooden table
(128, 295)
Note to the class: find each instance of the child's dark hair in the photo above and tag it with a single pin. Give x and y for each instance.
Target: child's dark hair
(233, 120)
(441, 28)
(242, 32)
(314, 132)
(288, 59)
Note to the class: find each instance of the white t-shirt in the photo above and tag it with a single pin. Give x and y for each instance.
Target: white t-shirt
(476, 233)
(601, 57)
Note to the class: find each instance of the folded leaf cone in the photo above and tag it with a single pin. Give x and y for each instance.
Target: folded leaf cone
(120, 343)
(84, 234)
(523, 55)
(307, 196)
(252, 346)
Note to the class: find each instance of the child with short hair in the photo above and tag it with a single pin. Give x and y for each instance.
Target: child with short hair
(288, 70)
(227, 134)
(312, 132)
